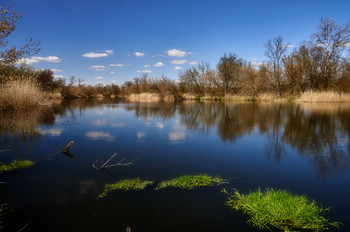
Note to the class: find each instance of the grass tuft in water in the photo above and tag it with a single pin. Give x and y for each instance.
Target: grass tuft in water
(280, 209)
(15, 165)
(125, 185)
(189, 182)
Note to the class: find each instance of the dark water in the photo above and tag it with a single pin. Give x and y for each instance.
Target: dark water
(304, 148)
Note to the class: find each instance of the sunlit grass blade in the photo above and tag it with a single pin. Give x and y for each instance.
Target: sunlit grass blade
(280, 209)
(15, 165)
(125, 185)
(190, 182)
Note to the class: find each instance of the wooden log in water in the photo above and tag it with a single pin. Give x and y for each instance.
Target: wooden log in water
(66, 149)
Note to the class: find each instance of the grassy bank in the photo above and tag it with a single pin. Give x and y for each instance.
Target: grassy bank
(22, 94)
(280, 209)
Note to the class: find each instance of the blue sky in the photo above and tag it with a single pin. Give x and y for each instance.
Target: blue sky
(112, 41)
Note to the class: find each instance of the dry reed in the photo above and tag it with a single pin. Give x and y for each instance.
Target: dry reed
(18, 94)
(327, 96)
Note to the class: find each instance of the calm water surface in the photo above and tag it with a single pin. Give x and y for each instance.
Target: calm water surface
(304, 148)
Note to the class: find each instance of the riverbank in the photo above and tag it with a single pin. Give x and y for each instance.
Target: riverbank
(308, 96)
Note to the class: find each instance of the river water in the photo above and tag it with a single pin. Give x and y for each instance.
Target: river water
(304, 148)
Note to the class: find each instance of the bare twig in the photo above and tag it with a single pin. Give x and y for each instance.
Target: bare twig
(66, 149)
(103, 165)
(25, 226)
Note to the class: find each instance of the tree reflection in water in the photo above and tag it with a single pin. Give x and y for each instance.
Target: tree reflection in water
(319, 132)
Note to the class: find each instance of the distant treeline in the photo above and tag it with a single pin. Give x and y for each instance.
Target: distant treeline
(321, 63)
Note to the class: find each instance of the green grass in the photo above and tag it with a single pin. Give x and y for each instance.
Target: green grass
(189, 182)
(14, 165)
(125, 185)
(280, 209)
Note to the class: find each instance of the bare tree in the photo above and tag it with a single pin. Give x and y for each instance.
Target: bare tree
(275, 50)
(331, 38)
(229, 68)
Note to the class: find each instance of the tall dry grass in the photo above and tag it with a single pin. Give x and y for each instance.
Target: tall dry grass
(144, 97)
(327, 96)
(21, 94)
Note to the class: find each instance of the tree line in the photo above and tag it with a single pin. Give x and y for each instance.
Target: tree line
(321, 63)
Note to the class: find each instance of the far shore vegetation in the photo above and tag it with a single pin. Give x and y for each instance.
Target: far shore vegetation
(15, 165)
(316, 71)
(279, 209)
(189, 182)
(125, 185)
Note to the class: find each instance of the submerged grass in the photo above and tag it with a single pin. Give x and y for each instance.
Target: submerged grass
(280, 209)
(14, 165)
(189, 182)
(125, 185)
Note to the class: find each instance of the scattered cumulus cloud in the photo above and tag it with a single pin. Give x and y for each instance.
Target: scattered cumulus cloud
(140, 54)
(111, 72)
(144, 71)
(177, 136)
(37, 59)
(347, 45)
(254, 59)
(99, 78)
(109, 52)
(177, 53)
(178, 61)
(95, 55)
(51, 59)
(178, 68)
(146, 65)
(98, 67)
(116, 65)
(55, 70)
(193, 62)
(159, 64)
(58, 76)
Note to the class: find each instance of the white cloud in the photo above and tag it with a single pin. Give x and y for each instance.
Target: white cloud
(116, 65)
(36, 59)
(177, 53)
(99, 122)
(55, 70)
(178, 61)
(98, 67)
(257, 64)
(254, 59)
(111, 72)
(193, 62)
(99, 78)
(28, 61)
(139, 54)
(347, 45)
(94, 55)
(146, 65)
(58, 76)
(109, 52)
(160, 125)
(159, 64)
(178, 68)
(51, 59)
(144, 71)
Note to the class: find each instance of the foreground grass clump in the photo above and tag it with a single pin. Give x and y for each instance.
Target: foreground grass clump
(125, 185)
(280, 209)
(14, 165)
(189, 182)
(18, 94)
